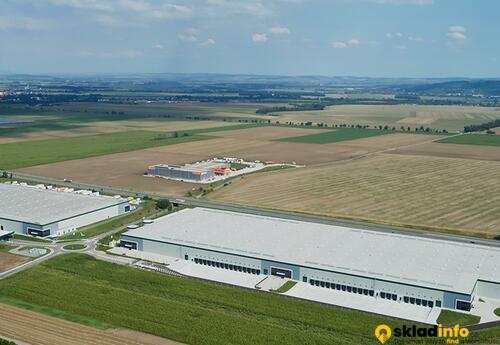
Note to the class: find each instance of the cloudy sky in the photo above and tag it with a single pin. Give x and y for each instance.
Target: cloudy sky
(431, 38)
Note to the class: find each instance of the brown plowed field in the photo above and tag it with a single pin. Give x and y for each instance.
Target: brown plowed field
(38, 329)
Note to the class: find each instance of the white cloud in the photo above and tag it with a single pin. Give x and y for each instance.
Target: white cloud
(353, 42)
(279, 30)
(158, 46)
(189, 35)
(209, 42)
(259, 38)
(349, 43)
(394, 35)
(22, 23)
(415, 39)
(457, 33)
(339, 45)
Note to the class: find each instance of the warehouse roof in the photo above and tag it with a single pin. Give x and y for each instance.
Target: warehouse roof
(33, 205)
(436, 264)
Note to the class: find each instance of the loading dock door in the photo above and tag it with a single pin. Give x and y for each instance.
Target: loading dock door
(281, 272)
(128, 245)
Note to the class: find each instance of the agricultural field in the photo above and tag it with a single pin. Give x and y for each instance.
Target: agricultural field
(35, 152)
(455, 195)
(8, 260)
(437, 149)
(92, 118)
(185, 310)
(128, 167)
(473, 139)
(13, 323)
(341, 134)
(452, 118)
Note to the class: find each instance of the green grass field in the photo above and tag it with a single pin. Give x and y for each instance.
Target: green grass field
(340, 134)
(74, 246)
(29, 238)
(186, 310)
(36, 152)
(451, 318)
(473, 139)
(286, 286)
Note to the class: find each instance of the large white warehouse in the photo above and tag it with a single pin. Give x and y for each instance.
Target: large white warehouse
(40, 212)
(398, 268)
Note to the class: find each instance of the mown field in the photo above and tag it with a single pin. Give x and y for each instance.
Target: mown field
(446, 194)
(35, 152)
(188, 310)
(341, 134)
(451, 118)
(473, 139)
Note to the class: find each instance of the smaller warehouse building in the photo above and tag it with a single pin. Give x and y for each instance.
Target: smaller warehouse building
(195, 172)
(398, 268)
(40, 212)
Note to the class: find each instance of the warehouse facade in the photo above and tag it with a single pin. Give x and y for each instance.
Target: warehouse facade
(41, 212)
(397, 268)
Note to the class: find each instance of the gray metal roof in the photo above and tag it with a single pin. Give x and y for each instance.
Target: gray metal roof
(436, 264)
(33, 205)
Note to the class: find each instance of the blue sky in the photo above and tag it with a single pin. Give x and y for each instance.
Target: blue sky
(386, 38)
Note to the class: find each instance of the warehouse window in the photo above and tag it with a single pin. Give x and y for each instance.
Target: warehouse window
(431, 304)
(257, 272)
(365, 292)
(355, 290)
(304, 278)
(328, 285)
(424, 303)
(438, 304)
(394, 297)
(267, 272)
(418, 301)
(412, 300)
(311, 281)
(337, 286)
(344, 287)
(371, 293)
(382, 294)
(406, 299)
(226, 266)
(186, 257)
(322, 284)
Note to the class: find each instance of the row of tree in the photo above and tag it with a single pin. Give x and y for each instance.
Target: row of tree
(482, 127)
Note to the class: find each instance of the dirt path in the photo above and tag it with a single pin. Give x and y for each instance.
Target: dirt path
(38, 329)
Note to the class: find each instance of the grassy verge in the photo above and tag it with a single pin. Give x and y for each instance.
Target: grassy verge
(74, 246)
(497, 312)
(473, 139)
(285, 287)
(450, 318)
(36, 152)
(340, 134)
(188, 310)
(29, 238)
(147, 209)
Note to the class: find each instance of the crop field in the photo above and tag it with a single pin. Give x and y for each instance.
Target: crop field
(13, 323)
(128, 167)
(473, 139)
(445, 194)
(436, 149)
(187, 310)
(341, 134)
(100, 127)
(451, 118)
(35, 152)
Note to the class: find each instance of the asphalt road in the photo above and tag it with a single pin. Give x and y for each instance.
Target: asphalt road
(265, 212)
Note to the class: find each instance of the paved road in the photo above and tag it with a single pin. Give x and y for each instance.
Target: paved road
(266, 212)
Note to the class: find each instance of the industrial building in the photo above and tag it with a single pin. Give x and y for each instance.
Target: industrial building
(204, 171)
(397, 268)
(41, 212)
